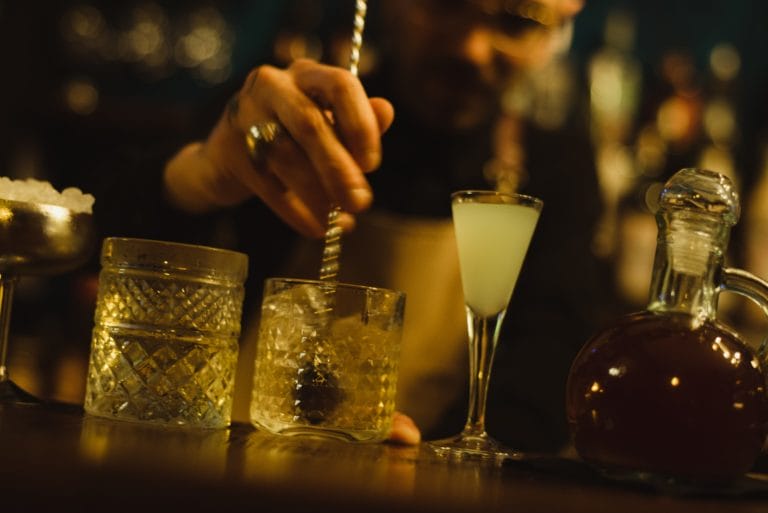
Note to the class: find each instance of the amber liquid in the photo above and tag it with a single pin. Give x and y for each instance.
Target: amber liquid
(653, 394)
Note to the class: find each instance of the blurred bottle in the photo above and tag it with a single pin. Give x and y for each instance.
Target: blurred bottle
(615, 81)
(719, 123)
(754, 254)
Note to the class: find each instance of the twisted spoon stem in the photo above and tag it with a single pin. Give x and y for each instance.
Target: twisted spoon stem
(318, 394)
(361, 8)
(329, 267)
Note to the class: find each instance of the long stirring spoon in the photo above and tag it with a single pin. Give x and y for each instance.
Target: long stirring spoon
(318, 393)
(329, 267)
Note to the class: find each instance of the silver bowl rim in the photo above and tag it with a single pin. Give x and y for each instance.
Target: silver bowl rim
(34, 206)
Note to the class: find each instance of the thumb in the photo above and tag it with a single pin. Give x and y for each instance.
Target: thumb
(384, 112)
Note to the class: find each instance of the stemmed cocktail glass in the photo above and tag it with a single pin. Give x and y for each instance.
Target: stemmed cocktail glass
(493, 231)
(38, 239)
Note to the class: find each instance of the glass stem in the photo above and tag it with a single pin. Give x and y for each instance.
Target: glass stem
(483, 336)
(6, 298)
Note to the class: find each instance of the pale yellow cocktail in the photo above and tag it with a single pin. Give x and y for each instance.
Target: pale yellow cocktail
(493, 231)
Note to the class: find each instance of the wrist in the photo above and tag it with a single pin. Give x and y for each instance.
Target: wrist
(182, 179)
(198, 179)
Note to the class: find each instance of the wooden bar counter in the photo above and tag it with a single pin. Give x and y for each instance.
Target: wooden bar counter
(53, 457)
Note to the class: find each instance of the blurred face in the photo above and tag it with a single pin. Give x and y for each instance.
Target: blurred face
(454, 58)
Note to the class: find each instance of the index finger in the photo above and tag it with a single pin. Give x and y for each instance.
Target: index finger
(355, 121)
(307, 123)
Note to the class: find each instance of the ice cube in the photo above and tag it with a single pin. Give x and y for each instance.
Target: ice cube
(40, 192)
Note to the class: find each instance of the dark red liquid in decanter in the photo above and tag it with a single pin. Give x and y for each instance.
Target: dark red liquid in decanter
(652, 393)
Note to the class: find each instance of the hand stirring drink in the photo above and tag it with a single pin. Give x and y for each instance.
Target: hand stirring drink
(329, 267)
(319, 390)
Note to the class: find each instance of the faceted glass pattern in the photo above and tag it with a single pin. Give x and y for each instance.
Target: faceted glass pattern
(164, 346)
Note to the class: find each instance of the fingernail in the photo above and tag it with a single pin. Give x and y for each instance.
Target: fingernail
(347, 222)
(361, 198)
(373, 160)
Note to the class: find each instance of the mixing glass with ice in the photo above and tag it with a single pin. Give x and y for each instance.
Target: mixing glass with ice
(327, 373)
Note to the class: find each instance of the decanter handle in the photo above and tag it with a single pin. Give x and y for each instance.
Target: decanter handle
(749, 285)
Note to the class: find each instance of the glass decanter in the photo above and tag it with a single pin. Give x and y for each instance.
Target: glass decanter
(670, 391)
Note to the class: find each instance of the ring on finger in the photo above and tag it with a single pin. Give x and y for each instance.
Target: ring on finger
(260, 136)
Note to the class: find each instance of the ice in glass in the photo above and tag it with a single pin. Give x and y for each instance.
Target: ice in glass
(327, 359)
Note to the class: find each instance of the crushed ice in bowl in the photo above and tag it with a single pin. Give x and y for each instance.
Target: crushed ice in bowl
(31, 190)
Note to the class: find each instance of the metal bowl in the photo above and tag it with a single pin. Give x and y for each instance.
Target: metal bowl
(38, 238)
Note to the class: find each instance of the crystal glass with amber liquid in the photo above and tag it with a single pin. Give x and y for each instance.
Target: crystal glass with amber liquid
(671, 391)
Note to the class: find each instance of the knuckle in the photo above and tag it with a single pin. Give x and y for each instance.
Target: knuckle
(301, 64)
(342, 84)
(310, 125)
(259, 76)
(253, 75)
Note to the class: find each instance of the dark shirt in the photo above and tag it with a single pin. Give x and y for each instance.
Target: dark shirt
(561, 298)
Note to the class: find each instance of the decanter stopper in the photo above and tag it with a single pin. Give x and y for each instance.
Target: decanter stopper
(700, 191)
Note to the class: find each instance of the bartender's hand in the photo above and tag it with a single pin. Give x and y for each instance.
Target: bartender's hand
(331, 138)
(404, 430)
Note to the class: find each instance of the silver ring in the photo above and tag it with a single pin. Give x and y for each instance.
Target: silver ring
(259, 136)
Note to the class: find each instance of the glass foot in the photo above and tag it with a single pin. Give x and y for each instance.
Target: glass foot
(480, 448)
(11, 393)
